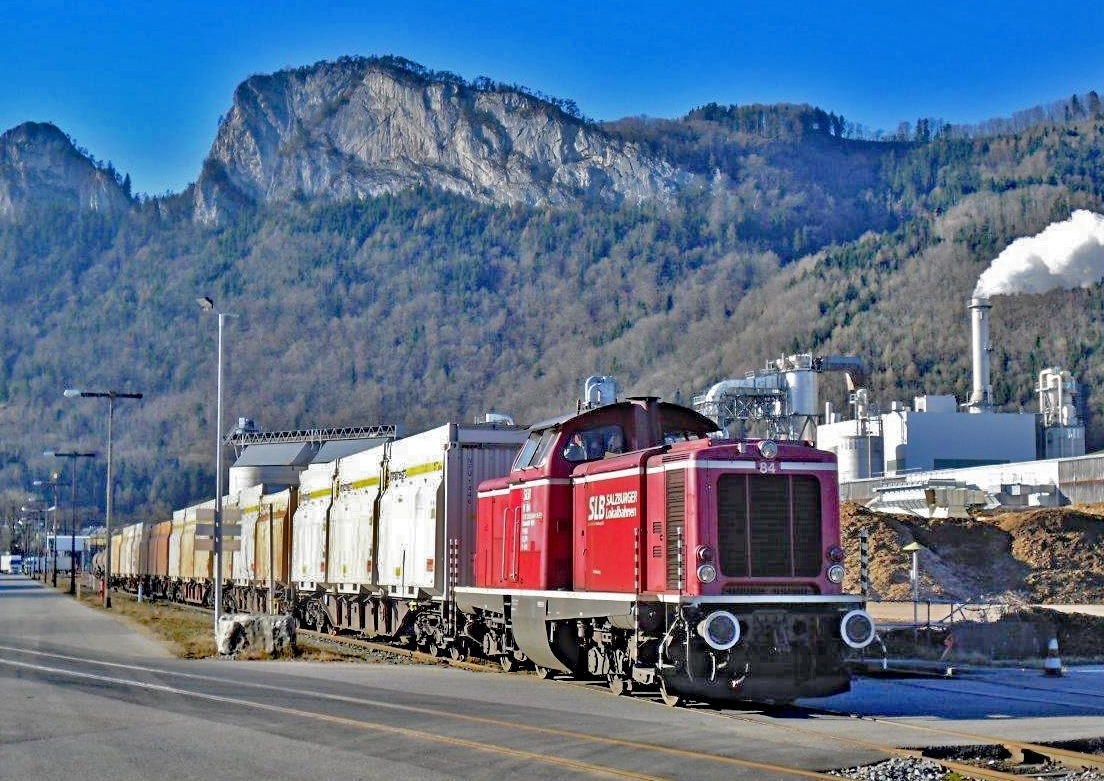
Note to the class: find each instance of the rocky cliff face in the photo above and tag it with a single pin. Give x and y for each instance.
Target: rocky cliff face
(357, 128)
(40, 166)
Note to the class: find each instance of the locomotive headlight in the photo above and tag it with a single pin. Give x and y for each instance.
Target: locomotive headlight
(835, 554)
(705, 553)
(835, 573)
(707, 573)
(768, 448)
(857, 629)
(720, 629)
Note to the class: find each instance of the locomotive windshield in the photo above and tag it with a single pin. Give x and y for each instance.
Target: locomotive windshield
(673, 435)
(594, 443)
(535, 450)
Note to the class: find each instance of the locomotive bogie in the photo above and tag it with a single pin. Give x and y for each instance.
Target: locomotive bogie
(758, 649)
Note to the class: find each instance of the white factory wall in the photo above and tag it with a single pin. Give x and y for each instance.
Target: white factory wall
(936, 437)
(1016, 479)
(941, 440)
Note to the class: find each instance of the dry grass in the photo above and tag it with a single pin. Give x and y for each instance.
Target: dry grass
(187, 632)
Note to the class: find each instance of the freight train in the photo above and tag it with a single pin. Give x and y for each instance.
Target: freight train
(622, 542)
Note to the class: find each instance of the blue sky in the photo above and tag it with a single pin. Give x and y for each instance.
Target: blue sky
(142, 84)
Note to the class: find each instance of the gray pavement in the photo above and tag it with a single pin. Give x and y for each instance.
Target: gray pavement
(84, 695)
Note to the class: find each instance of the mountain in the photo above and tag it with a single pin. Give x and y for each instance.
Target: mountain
(40, 166)
(402, 246)
(360, 127)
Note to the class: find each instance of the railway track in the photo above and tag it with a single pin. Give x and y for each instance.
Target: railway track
(584, 752)
(1013, 754)
(1022, 755)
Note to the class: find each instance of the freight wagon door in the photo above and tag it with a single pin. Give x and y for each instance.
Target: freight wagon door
(353, 519)
(245, 559)
(261, 549)
(309, 527)
(271, 552)
(175, 541)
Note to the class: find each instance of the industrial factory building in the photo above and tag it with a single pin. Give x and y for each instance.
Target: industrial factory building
(932, 434)
(932, 457)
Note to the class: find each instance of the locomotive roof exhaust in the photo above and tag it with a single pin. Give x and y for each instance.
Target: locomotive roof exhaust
(981, 397)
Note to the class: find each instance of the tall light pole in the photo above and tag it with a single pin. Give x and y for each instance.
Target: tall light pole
(111, 395)
(72, 456)
(914, 549)
(53, 483)
(208, 305)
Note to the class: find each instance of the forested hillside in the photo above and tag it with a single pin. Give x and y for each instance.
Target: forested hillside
(791, 233)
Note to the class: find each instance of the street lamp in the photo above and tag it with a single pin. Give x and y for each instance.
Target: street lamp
(914, 549)
(207, 305)
(73, 393)
(72, 456)
(28, 520)
(52, 483)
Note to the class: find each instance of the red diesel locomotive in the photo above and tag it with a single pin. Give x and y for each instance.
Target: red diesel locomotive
(626, 543)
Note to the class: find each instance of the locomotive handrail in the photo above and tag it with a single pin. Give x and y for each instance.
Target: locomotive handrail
(502, 559)
(515, 549)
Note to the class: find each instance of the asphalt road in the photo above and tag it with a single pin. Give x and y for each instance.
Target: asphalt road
(84, 696)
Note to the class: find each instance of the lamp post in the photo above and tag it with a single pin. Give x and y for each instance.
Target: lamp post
(52, 483)
(207, 305)
(38, 517)
(914, 576)
(72, 456)
(110, 395)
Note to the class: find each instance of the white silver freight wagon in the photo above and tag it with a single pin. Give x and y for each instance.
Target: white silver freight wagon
(308, 546)
(397, 527)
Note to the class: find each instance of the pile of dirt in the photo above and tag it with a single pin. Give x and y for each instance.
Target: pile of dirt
(1052, 555)
(1014, 559)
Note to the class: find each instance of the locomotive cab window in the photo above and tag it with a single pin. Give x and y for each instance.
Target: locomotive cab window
(595, 443)
(673, 435)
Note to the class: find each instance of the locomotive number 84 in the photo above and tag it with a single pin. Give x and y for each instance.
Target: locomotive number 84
(626, 543)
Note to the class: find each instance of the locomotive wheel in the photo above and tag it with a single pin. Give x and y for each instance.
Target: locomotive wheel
(669, 698)
(431, 648)
(457, 653)
(545, 673)
(509, 663)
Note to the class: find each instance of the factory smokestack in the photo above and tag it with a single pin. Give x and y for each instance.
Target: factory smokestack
(1065, 254)
(981, 397)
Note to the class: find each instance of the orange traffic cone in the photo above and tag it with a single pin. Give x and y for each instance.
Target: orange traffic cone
(1053, 664)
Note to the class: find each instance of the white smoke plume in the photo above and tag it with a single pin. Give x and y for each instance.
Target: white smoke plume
(1066, 254)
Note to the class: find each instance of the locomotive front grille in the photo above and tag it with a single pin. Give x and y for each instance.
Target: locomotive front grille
(769, 525)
